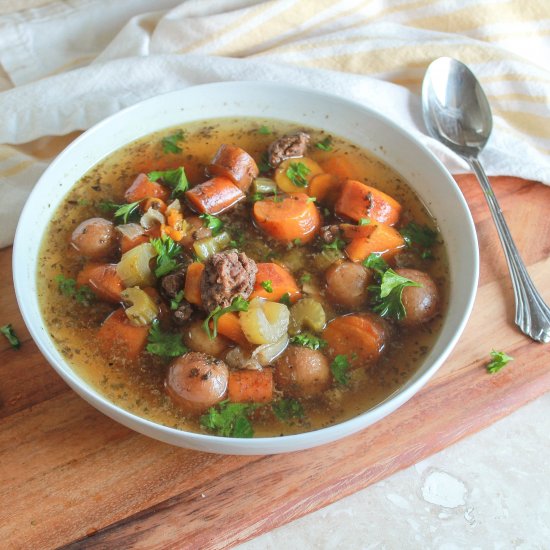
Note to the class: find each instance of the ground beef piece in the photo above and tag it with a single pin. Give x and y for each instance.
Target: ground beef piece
(329, 233)
(173, 283)
(286, 147)
(227, 275)
(184, 312)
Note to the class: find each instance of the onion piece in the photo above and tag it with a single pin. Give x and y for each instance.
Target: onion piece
(261, 357)
(151, 218)
(130, 230)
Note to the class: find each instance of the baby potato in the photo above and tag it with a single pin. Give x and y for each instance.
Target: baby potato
(421, 303)
(196, 338)
(347, 284)
(95, 238)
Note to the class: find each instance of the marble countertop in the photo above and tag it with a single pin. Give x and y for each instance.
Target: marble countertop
(490, 490)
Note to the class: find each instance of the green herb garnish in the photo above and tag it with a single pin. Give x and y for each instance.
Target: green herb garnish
(213, 223)
(176, 300)
(297, 242)
(499, 359)
(364, 221)
(285, 299)
(308, 340)
(377, 263)
(287, 409)
(167, 252)
(419, 236)
(264, 130)
(229, 419)
(68, 287)
(325, 144)
(311, 199)
(238, 239)
(263, 165)
(336, 244)
(238, 304)
(170, 143)
(255, 197)
(305, 278)
(339, 368)
(267, 285)
(176, 179)
(124, 213)
(9, 333)
(165, 344)
(387, 295)
(297, 173)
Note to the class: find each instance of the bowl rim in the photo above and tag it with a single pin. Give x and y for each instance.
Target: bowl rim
(213, 443)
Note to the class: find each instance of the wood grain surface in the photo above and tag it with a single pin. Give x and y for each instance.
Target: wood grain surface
(71, 476)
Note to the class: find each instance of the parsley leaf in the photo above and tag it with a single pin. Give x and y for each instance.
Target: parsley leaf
(364, 221)
(285, 299)
(311, 199)
(308, 340)
(387, 295)
(238, 304)
(499, 359)
(297, 242)
(305, 278)
(124, 213)
(421, 236)
(68, 287)
(337, 244)
(170, 143)
(297, 173)
(9, 333)
(267, 285)
(213, 223)
(255, 197)
(325, 144)
(165, 344)
(238, 238)
(287, 408)
(339, 368)
(176, 301)
(264, 130)
(176, 179)
(167, 252)
(229, 419)
(376, 263)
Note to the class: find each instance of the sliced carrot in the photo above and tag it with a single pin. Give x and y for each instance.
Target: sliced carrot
(118, 336)
(236, 164)
(325, 188)
(174, 225)
(358, 200)
(361, 338)
(309, 167)
(293, 217)
(214, 196)
(340, 166)
(155, 204)
(279, 279)
(383, 240)
(229, 326)
(192, 289)
(103, 280)
(250, 386)
(144, 188)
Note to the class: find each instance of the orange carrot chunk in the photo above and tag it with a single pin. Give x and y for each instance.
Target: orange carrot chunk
(117, 336)
(325, 188)
(236, 164)
(214, 196)
(374, 238)
(293, 217)
(103, 279)
(250, 386)
(229, 326)
(340, 166)
(361, 338)
(273, 282)
(358, 200)
(143, 188)
(192, 289)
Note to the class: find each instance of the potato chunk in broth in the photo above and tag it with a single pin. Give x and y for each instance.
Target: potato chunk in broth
(243, 278)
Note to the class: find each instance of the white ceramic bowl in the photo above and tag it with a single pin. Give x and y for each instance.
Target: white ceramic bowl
(335, 115)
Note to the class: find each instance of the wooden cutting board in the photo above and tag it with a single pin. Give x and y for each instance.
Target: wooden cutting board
(71, 476)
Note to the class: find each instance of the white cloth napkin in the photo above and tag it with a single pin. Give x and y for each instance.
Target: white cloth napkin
(66, 65)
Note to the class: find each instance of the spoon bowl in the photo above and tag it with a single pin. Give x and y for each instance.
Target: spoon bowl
(457, 113)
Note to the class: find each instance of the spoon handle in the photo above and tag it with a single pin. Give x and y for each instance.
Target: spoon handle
(532, 314)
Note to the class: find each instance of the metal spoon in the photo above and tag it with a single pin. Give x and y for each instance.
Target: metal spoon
(457, 113)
